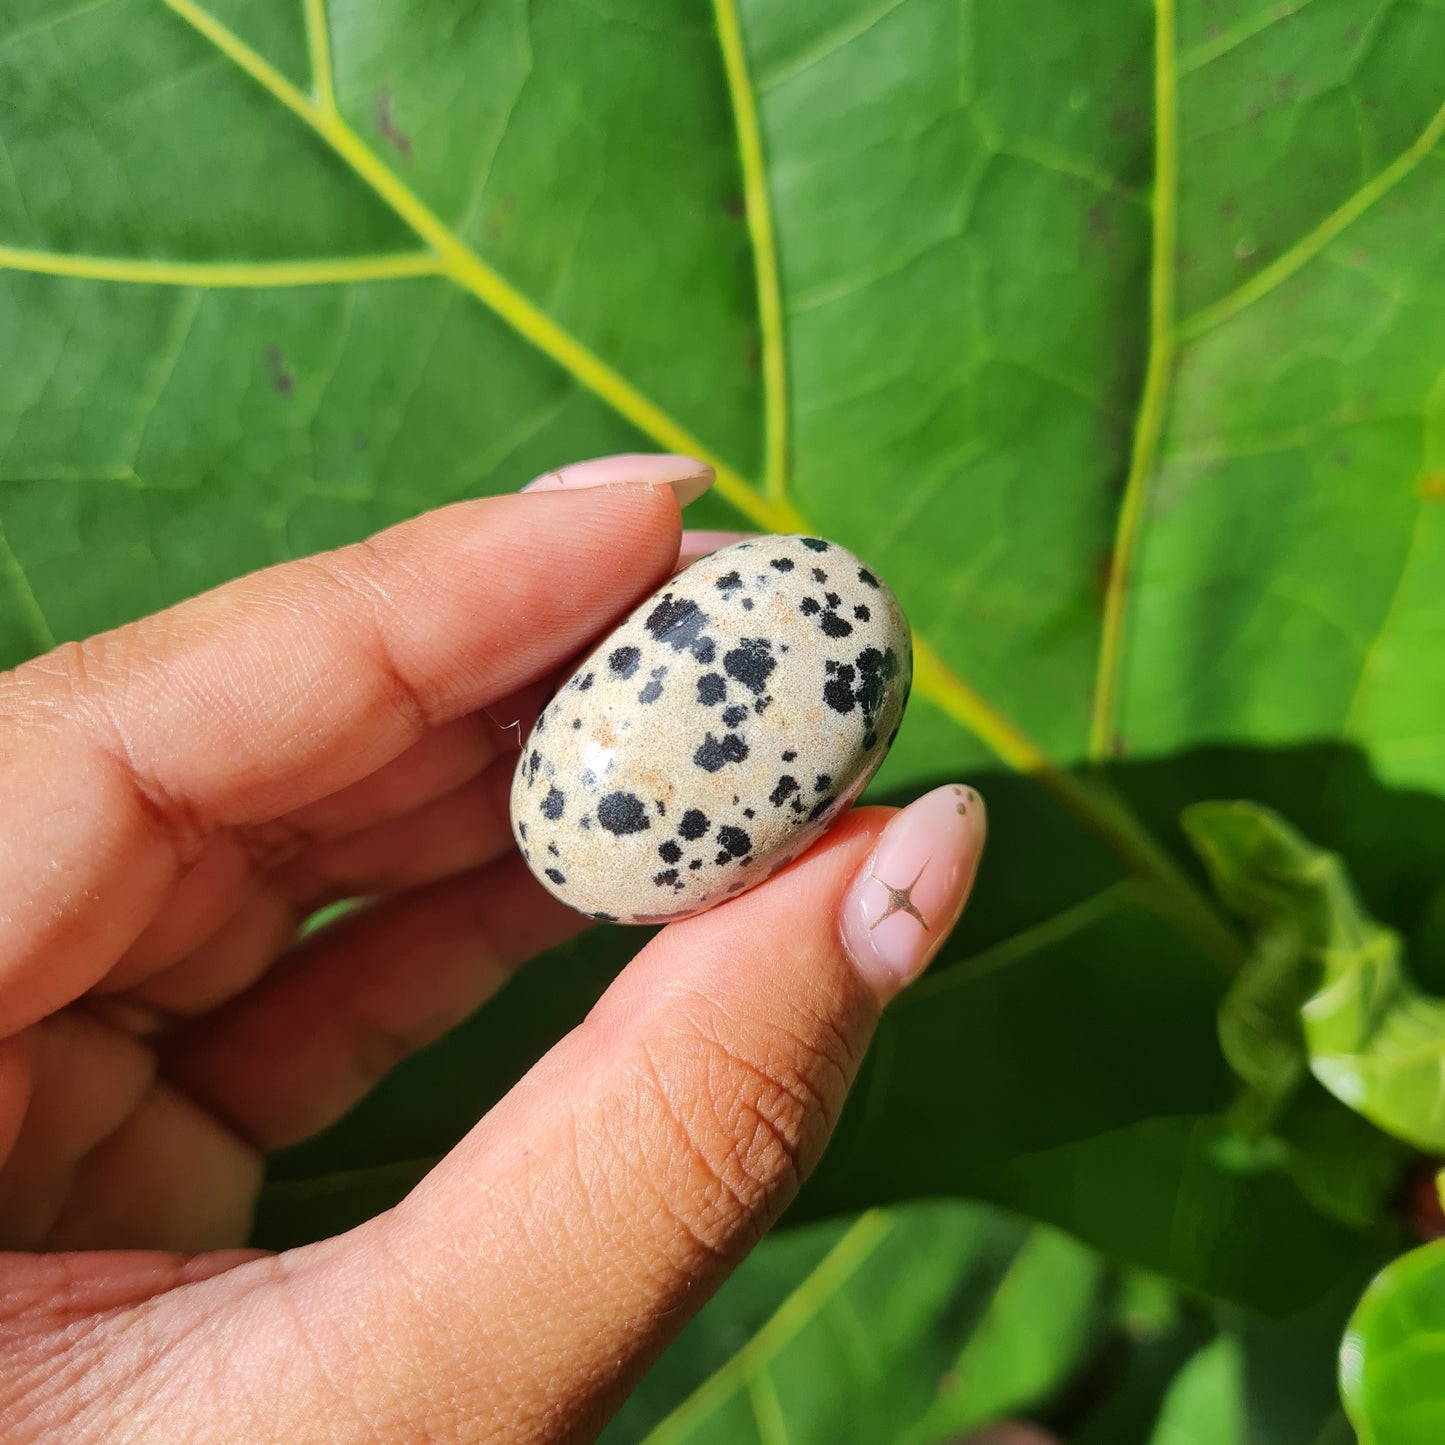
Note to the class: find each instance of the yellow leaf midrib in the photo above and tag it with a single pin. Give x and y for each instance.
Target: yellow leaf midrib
(1153, 402)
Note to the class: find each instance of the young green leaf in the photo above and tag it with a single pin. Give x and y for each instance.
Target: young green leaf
(1373, 1038)
(1392, 1362)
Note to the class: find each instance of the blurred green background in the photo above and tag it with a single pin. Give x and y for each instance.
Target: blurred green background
(1112, 334)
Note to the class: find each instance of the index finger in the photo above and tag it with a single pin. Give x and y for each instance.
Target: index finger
(123, 753)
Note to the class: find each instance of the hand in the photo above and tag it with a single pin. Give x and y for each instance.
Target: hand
(179, 794)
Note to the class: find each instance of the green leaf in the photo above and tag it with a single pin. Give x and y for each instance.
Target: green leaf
(1204, 1404)
(1374, 1040)
(1393, 1357)
(995, 1319)
(1110, 333)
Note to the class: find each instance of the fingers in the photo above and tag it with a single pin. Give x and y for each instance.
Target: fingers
(278, 690)
(297, 1050)
(637, 1163)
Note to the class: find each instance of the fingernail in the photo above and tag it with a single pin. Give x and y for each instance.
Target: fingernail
(701, 544)
(907, 897)
(688, 477)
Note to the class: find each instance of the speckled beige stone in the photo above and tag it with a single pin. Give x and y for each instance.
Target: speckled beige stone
(716, 733)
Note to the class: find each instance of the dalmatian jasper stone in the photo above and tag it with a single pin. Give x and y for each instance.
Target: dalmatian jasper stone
(716, 733)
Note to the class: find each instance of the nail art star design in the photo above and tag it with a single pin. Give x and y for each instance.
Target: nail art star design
(900, 900)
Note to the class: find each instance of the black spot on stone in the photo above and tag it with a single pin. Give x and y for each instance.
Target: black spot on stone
(604, 917)
(622, 813)
(651, 692)
(822, 782)
(661, 807)
(586, 681)
(748, 813)
(789, 755)
(542, 721)
(715, 754)
(820, 808)
(553, 803)
(747, 604)
(576, 722)
(711, 688)
(535, 761)
(869, 738)
(585, 821)
(556, 875)
(623, 661)
(783, 564)
(587, 778)
(732, 716)
(554, 850)
(834, 625)
(736, 887)
(733, 843)
(704, 650)
(522, 831)
(693, 825)
(669, 852)
(819, 575)
(787, 785)
(814, 544)
(665, 878)
(762, 704)
(862, 613)
(677, 622)
(866, 577)
(695, 864)
(832, 599)
(838, 690)
(809, 605)
(750, 662)
(730, 583)
(877, 670)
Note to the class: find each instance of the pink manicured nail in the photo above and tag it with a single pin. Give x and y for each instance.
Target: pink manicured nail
(700, 544)
(687, 476)
(907, 897)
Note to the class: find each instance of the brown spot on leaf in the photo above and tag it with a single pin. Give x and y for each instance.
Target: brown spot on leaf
(734, 205)
(387, 128)
(282, 382)
(1432, 486)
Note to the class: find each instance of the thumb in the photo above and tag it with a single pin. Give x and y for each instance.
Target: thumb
(526, 1284)
(581, 1224)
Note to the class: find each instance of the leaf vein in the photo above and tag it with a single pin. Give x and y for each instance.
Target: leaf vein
(1153, 403)
(1308, 247)
(758, 209)
(221, 274)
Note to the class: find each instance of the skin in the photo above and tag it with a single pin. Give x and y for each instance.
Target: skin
(179, 794)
